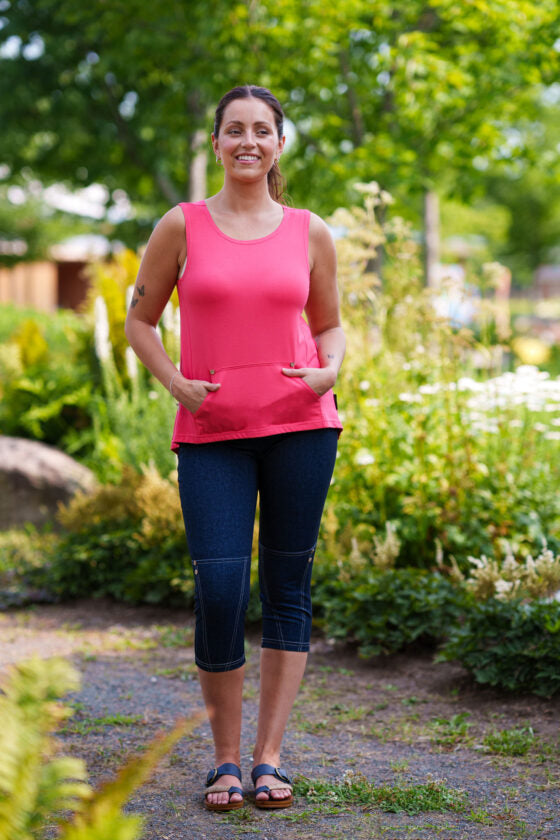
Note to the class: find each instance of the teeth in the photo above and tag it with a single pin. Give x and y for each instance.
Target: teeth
(247, 157)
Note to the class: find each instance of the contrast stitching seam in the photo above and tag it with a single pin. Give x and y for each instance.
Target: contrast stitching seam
(239, 603)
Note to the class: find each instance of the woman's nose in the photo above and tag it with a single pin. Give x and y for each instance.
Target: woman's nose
(249, 139)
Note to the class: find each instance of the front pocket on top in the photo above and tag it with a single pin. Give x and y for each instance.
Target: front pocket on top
(253, 396)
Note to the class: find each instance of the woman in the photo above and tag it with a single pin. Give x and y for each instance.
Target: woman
(256, 415)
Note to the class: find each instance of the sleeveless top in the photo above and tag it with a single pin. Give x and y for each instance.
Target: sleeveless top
(241, 304)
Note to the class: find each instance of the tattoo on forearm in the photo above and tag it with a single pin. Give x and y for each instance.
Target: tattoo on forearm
(330, 356)
(133, 302)
(140, 290)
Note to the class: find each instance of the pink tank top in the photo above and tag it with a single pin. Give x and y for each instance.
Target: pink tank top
(241, 306)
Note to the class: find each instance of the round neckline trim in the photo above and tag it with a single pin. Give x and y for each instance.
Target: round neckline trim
(244, 241)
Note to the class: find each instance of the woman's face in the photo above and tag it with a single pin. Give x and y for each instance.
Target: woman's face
(248, 141)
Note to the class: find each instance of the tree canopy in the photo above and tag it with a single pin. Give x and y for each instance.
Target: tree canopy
(412, 94)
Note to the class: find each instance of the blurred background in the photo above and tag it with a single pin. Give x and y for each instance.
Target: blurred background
(426, 133)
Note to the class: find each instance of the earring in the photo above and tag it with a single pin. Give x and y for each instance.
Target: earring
(218, 160)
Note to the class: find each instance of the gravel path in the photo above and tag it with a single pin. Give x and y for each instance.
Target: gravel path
(396, 720)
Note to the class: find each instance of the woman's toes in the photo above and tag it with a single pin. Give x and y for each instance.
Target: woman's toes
(276, 793)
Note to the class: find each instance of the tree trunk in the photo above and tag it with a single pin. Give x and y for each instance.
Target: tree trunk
(197, 175)
(431, 236)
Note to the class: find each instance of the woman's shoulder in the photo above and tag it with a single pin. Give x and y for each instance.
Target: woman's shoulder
(316, 223)
(318, 228)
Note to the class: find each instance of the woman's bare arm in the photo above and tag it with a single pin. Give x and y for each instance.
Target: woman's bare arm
(165, 252)
(322, 310)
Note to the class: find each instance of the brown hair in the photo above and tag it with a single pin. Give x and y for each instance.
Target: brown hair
(276, 181)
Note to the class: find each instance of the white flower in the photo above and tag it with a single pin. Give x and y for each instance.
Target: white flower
(168, 316)
(410, 398)
(101, 333)
(131, 363)
(552, 436)
(364, 457)
(364, 385)
(153, 395)
(503, 587)
(479, 562)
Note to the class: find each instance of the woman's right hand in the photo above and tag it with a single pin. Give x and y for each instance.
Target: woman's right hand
(192, 392)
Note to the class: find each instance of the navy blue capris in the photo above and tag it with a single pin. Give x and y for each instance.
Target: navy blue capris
(218, 485)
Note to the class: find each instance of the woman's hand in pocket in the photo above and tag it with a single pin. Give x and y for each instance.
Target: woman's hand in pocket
(192, 392)
(319, 380)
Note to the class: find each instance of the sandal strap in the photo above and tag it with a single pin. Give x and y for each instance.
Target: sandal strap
(268, 788)
(223, 789)
(269, 770)
(227, 769)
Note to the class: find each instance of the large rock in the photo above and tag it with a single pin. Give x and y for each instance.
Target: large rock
(33, 479)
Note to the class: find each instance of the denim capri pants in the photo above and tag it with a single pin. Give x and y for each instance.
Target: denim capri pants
(218, 485)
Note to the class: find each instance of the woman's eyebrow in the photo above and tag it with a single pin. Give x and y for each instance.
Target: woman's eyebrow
(240, 122)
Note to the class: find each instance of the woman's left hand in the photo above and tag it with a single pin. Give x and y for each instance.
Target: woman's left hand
(319, 380)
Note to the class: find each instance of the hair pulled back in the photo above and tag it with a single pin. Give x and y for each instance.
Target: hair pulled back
(276, 181)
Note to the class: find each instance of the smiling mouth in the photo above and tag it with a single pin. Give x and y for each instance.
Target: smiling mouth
(248, 158)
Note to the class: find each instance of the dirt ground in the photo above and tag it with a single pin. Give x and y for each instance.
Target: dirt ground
(400, 720)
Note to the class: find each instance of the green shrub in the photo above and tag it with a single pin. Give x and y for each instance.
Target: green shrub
(124, 540)
(22, 554)
(383, 611)
(426, 411)
(36, 785)
(510, 645)
(46, 377)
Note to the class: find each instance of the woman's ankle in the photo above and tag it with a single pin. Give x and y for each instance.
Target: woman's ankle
(266, 757)
(228, 758)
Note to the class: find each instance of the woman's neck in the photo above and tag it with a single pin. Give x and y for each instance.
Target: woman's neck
(250, 199)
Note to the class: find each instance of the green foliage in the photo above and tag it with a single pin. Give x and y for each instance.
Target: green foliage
(132, 413)
(449, 731)
(406, 85)
(510, 645)
(111, 280)
(124, 540)
(510, 741)
(383, 611)
(419, 449)
(21, 552)
(36, 784)
(356, 789)
(46, 381)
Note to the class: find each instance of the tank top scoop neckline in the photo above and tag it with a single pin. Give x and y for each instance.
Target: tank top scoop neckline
(241, 323)
(276, 230)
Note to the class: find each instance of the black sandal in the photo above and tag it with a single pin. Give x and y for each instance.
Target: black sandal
(269, 770)
(214, 775)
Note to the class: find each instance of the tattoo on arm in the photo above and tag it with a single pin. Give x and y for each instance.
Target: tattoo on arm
(330, 356)
(141, 291)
